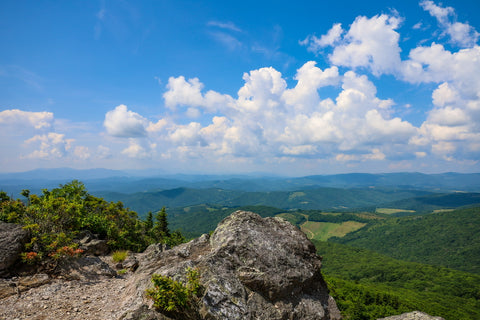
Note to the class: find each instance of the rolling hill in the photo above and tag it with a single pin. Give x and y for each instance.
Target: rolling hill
(320, 198)
(450, 239)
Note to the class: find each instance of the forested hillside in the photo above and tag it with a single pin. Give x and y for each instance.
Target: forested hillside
(318, 198)
(368, 285)
(449, 239)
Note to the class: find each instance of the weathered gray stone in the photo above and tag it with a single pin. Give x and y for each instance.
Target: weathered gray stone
(415, 315)
(13, 286)
(91, 245)
(251, 268)
(85, 268)
(12, 239)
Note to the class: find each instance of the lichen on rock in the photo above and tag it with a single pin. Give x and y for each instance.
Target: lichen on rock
(250, 268)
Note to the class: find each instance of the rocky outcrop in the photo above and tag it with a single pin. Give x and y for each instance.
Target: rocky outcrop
(91, 245)
(12, 239)
(250, 268)
(415, 315)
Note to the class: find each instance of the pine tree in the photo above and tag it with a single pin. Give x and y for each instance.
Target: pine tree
(161, 225)
(149, 222)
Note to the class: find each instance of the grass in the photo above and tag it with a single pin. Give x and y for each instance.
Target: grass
(325, 230)
(392, 211)
(119, 255)
(442, 210)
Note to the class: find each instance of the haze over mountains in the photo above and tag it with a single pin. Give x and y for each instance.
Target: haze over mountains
(147, 190)
(132, 181)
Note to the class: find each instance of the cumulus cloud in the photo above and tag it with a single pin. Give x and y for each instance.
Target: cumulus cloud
(120, 122)
(135, 150)
(49, 146)
(181, 92)
(268, 118)
(370, 43)
(19, 118)
(30, 136)
(315, 44)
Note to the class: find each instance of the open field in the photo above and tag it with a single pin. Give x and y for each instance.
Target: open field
(392, 210)
(324, 230)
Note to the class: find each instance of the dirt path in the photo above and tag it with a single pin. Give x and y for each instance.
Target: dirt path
(67, 300)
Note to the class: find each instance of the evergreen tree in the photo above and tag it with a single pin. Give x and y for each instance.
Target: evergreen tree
(161, 225)
(149, 222)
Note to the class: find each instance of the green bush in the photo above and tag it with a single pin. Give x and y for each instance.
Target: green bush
(173, 296)
(57, 217)
(119, 255)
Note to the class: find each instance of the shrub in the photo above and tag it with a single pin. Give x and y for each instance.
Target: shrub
(119, 255)
(173, 296)
(57, 217)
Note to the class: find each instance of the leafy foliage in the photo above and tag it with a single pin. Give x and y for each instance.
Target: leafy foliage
(315, 215)
(173, 296)
(57, 216)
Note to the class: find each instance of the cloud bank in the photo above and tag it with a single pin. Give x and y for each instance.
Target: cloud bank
(329, 115)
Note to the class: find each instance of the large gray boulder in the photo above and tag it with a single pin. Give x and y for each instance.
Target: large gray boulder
(415, 315)
(12, 239)
(250, 268)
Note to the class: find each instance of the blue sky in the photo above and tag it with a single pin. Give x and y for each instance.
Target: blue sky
(286, 87)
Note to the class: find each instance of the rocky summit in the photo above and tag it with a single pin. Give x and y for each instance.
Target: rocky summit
(250, 268)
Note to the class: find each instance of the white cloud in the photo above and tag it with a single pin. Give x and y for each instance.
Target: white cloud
(375, 155)
(371, 43)
(158, 126)
(304, 96)
(418, 25)
(188, 93)
(82, 153)
(187, 134)
(448, 116)
(121, 122)
(275, 121)
(224, 25)
(315, 44)
(19, 119)
(436, 11)
(135, 150)
(50, 146)
(461, 34)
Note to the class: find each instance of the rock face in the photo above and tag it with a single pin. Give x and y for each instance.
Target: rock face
(12, 239)
(91, 245)
(250, 268)
(415, 315)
